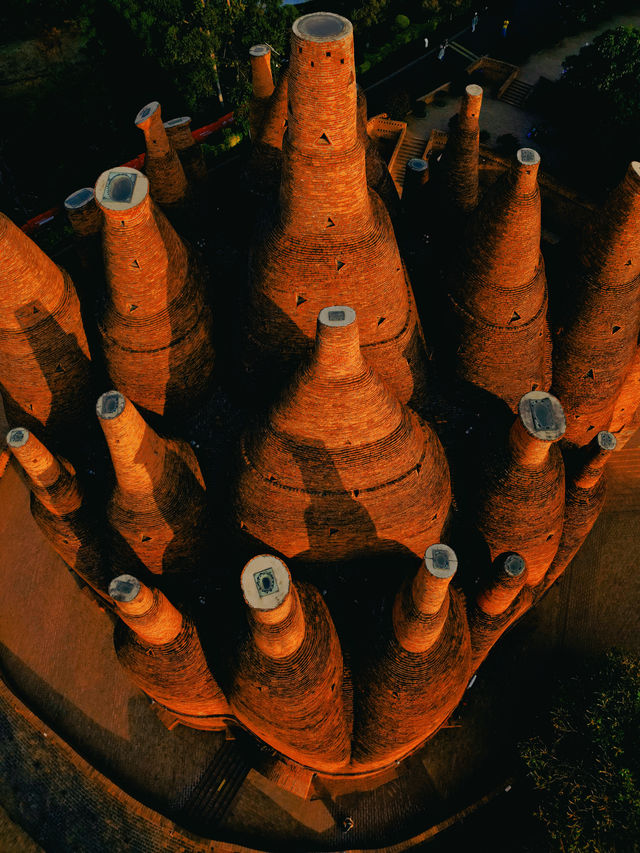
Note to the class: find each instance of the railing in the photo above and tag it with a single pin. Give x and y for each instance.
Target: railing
(199, 135)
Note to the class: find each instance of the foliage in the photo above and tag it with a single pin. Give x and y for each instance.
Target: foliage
(586, 765)
(402, 22)
(201, 41)
(607, 73)
(398, 104)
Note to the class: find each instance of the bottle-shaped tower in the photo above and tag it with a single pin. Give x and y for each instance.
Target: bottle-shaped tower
(156, 325)
(340, 468)
(585, 495)
(418, 672)
(378, 175)
(162, 165)
(594, 351)
(261, 87)
(520, 503)
(331, 240)
(161, 651)
(158, 505)
(286, 685)
(498, 290)
(188, 150)
(461, 155)
(45, 377)
(60, 509)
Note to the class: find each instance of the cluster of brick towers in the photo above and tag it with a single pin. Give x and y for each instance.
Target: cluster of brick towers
(342, 478)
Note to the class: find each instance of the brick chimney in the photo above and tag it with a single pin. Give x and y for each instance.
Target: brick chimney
(340, 468)
(461, 155)
(594, 351)
(261, 85)
(520, 500)
(188, 150)
(60, 509)
(45, 375)
(287, 672)
(331, 239)
(156, 325)
(162, 165)
(417, 673)
(161, 651)
(158, 506)
(498, 290)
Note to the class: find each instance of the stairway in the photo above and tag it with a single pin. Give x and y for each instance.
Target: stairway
(516, 93)
(213, 795)
(463, 51)
(412, 146)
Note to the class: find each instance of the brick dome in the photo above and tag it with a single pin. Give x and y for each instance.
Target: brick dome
(340, 468)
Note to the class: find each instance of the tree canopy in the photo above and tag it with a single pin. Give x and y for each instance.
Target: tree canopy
(586, 764)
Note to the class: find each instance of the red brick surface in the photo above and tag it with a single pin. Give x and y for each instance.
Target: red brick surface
(460, 159)
(162, 165)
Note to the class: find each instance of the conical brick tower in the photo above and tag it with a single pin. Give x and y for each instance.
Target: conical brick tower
(287, 676)
(45, 376)
(340, 468)
(331, 240)
(161, 651)
(417, 676)
(594, 351)
(188, 151)
(162, 165)
(60, 509)
(520, 502)
(461, 155)
(156, 325)
(500, 601)
(498, 290)
(261, 85)
(158, 506)
(584, 499)
(378, 175)
(626, 413)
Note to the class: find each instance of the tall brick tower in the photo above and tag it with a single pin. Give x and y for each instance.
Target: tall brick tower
(45, 376)
(156, 326)
(498, 290)
(162, 165)
(460, 160)
(331, 240)
(595, 350)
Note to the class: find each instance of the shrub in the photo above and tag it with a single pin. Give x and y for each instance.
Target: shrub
(402, 22)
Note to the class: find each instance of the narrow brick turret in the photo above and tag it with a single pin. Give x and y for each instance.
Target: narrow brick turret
(83, 213)
(188, 150)
(261, 85)
(161, 651)
(156, 326)
(594, 351)
(45, 377)
(417, 674)
(60, 509)
(162, 165)
(520, 503)
(584, 499)
(498, 290)
(461, 155)
(287, 675)
(340, 468)
(626, 413)
(331, 240)
(502, 599)
(158, 505)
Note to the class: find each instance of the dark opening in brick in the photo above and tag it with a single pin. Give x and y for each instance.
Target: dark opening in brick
(289, 107)
(333, 531)
(381, 320)
(590, 374)
(59, 368)
(515, 316)
(339, 264)
(330, 222)
(299, 50)
(550, 536)
(356, 492)
(325, 139)
(300, 300)
(146, 539)
(589, 428)
(328, 53)
(136, 265)
(132, 308)
(535, 386)
(342, 62)
(615, 329)
(313, 65)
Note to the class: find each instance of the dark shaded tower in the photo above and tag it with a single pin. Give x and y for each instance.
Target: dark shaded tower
(460, 161)
(331, 240)
(156, 325)
(418, 671)
(61, 510)
(378, 175)
(520, 499)
(158, 506)
(162, 165)
(261, 87)
(594, 351)
(626, 412)
(287, 676)
(188, 150)
(161, 651)
(45, 377)
(498, 290)
(340, 468)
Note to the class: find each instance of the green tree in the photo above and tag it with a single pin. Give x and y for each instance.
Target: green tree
(586, 765)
